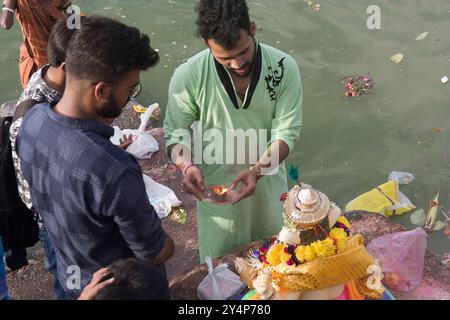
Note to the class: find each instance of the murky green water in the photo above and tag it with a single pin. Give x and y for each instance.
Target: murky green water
(347, 146)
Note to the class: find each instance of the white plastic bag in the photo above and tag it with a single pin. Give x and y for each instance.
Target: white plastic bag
(220, 283)
(145, 117)
(144, 144)
(162, 198)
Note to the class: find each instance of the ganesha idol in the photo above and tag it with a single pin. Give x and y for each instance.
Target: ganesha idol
(314, 256)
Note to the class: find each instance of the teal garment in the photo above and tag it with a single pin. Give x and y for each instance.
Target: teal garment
(202, 95)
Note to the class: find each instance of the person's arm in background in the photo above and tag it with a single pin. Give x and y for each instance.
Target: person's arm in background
(8, 12)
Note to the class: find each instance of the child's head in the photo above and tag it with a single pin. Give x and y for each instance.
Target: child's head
(58, 42)
(135, 280)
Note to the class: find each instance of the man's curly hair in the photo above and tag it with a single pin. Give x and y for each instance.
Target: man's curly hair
(222, 20)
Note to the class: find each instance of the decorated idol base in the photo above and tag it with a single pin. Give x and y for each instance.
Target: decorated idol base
(315, 256)
(221, 195)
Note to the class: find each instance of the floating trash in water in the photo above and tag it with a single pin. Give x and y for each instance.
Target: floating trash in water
(314, 6)
(444, 80)
(357, 85)
(397, 58)
(438, 129)
(422, 36)
(432, 224)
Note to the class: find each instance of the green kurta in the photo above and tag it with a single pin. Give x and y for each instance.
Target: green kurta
(201, 91)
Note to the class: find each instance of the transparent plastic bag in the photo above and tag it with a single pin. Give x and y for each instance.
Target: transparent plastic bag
(401, 177)
(220, 283)
(402, 256)
(402, 206)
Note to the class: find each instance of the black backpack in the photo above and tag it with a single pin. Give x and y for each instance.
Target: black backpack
(18, 225)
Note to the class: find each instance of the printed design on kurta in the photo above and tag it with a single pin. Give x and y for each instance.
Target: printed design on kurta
(273, 79)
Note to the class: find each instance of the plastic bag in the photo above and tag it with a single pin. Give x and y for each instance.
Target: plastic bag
(385, 199)
(402, 256)
(162, 198)
(402, 206)
(401, 177)
(146, 116)
(220, 283)
(144, 144)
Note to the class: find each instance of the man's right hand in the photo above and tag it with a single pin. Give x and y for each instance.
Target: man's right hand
(193, 182)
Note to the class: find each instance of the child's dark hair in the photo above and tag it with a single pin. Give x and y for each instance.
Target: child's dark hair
(222, 21)
(58, 42)
(135, 280)
(105, 49)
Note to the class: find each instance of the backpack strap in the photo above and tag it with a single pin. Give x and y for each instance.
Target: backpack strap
(23, 107)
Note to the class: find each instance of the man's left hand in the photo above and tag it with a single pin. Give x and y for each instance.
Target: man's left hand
(247, 179)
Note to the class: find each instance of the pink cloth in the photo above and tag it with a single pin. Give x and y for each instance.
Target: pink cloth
(344, 295)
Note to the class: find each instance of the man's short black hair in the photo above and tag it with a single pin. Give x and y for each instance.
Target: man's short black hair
(105, 49)
(58, 42)
(135, 280)
(222, 21)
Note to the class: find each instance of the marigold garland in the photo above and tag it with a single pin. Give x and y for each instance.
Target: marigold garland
(275, 252)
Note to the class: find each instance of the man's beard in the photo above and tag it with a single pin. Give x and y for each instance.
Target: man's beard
(111, 109)
(248, 65)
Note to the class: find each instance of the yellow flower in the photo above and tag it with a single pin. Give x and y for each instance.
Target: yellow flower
(273, 256)
(338, 234)
(323, 248)
(304, 253)
(344, 221)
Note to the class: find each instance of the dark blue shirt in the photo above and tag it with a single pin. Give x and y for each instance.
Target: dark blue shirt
(90, 194)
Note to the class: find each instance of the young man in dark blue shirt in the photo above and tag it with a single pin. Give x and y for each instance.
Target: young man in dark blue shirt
(90, 193)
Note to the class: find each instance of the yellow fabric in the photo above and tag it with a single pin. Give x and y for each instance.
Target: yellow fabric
(341, 268)
(376, 200)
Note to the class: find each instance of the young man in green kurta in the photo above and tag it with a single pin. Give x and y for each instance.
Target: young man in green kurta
(236, 85)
